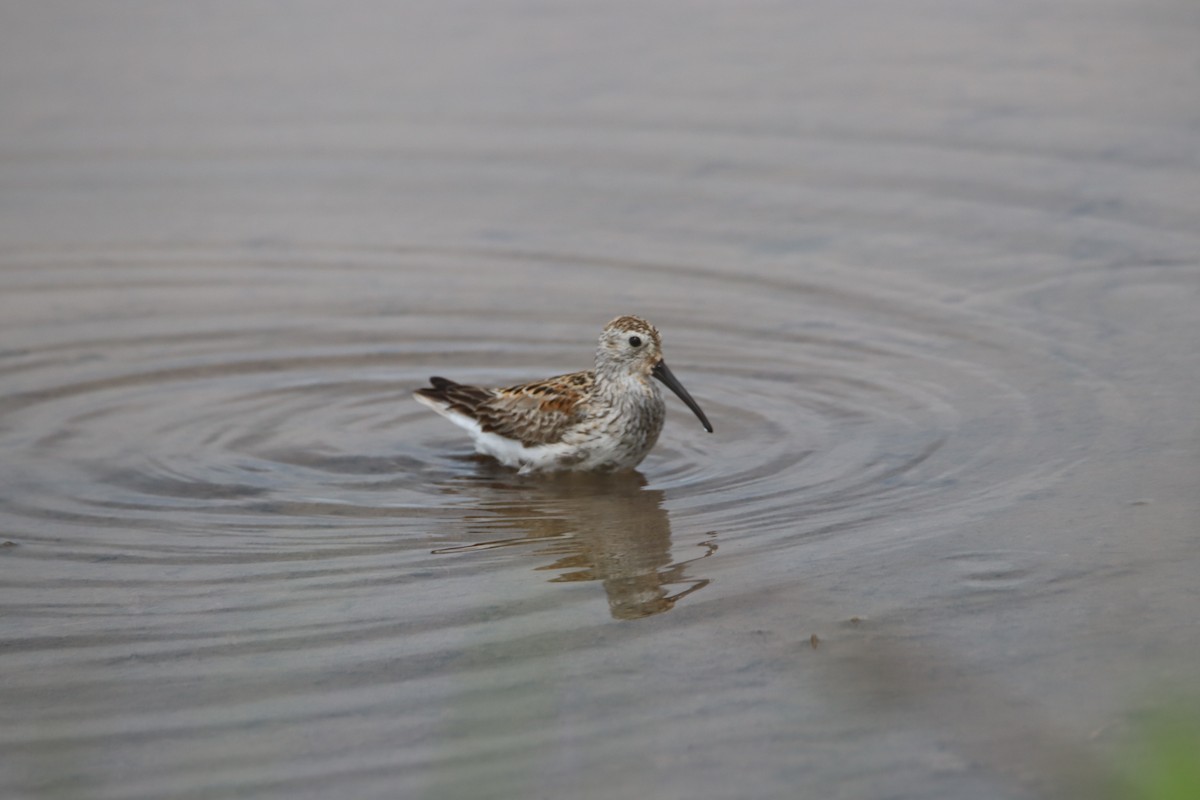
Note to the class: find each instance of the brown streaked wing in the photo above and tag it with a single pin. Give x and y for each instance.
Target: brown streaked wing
(537, 413)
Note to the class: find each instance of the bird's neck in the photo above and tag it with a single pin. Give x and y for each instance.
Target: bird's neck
(626, 387)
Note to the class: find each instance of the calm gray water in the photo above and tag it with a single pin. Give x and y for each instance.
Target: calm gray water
(931, 268)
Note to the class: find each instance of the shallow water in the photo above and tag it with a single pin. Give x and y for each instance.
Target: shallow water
(932, 270)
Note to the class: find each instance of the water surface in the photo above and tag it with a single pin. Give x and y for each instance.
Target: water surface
(932, 270)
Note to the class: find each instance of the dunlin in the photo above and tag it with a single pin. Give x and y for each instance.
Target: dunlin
(605, 418)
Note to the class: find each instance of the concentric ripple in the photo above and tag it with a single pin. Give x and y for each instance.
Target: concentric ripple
(256, 411)
(213, 458)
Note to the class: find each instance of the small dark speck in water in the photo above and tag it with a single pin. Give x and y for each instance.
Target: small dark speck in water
(8, 544)
(1141, 501)
(815, 641)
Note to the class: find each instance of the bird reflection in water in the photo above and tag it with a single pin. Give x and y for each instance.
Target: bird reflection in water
(596, 527)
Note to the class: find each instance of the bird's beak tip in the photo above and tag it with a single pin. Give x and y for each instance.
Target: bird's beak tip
(664, 374)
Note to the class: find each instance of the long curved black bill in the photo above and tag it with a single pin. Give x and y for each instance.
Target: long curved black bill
(665, 375)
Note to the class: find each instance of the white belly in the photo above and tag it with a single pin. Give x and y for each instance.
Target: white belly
(597, 452)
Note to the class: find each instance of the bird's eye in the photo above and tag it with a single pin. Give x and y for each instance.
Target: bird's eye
(635, 341)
